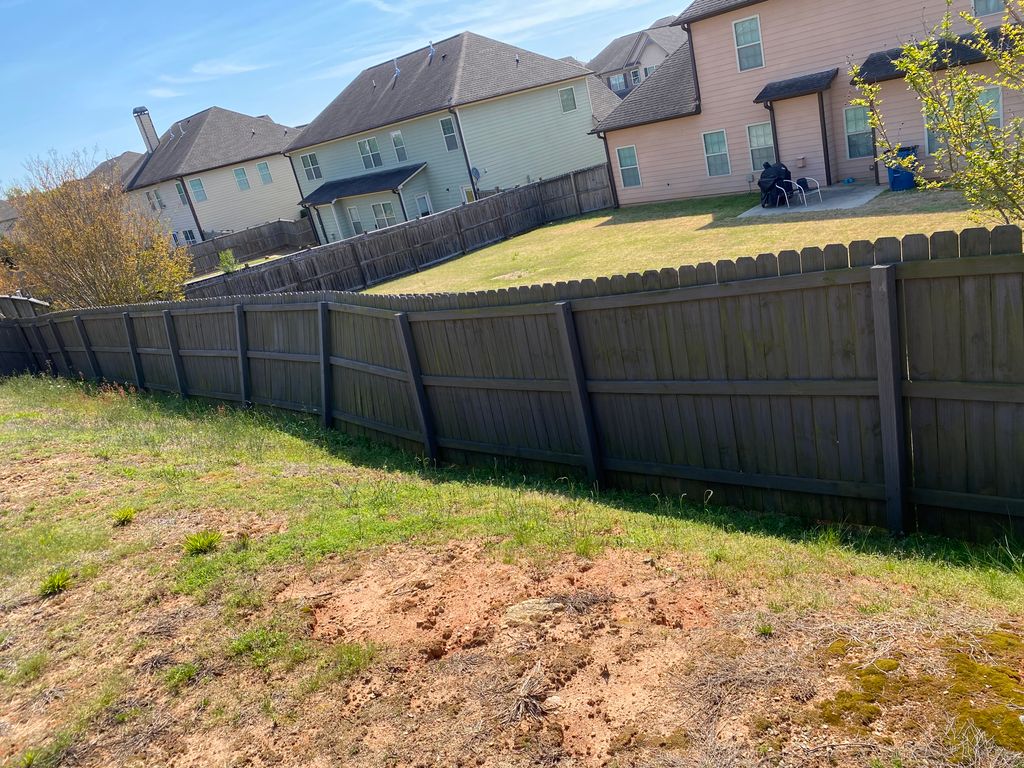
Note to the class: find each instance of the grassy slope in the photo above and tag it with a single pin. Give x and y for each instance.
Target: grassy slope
(671, 234)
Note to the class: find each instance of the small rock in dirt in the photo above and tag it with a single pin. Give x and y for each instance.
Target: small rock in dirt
(533, 611)
(434, 650)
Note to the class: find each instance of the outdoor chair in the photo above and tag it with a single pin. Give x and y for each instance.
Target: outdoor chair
(800, 191)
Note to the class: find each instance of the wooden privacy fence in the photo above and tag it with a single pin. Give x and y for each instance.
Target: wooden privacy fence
(281, 236)
(880, 383)
(385, 254)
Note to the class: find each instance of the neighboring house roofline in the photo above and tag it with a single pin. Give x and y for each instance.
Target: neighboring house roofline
(177, 176)
(706, 9)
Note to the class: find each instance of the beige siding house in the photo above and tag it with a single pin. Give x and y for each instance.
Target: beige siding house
(217, 171)
(766, 79)
(630, 59)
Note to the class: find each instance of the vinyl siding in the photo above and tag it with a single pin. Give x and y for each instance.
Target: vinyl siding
(524, 137)
(797, 39)
(443, 178)
(176, 216)
(229, 209)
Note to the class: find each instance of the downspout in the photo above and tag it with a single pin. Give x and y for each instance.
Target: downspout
(320, 218)
(611, 171)
(775, 134)
(401, 201)
(693, 63)
(191, 207)
(298, 186)
(465, 153)
(824, 139)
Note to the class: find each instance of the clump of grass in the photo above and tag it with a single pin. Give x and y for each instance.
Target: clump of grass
(55, 583)
(262, 646)
(764, 629)
(349, 659)
(26, 670)
(123, 516)
(528, 698)
(201, 543)
(180, 675)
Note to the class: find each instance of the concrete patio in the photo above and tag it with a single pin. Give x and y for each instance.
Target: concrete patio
(839, 197)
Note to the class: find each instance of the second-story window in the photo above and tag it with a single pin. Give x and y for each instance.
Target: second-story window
(312, 167)
(155, 201)
(749, 54)
(448, 129)
(634, 77)
(617, 82)
(241, 179)
(648, 71)
(198, 190)
(264, 171)
(988, 7)
(399, 144)
(568, 98)
(181, 192)
(370, 151)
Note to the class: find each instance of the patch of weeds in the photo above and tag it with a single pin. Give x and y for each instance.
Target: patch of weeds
(123, 516)
(262, 646)
(56, 582)
(180, 675)
(27, 670)
(343, 661)
(764, 629)
(201, 542)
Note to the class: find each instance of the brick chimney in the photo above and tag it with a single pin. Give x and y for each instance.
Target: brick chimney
(145, 123)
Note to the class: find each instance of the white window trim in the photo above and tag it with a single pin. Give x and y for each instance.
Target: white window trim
(760, 41)
(202, 187)
(619, 163)
(612, 77)
(704, 151)
(430, 205)
(404, 148)
(185, 233)
(312, 164)
(927, 149)
(182, 195)
(575, 104)
(353, 219)
(847, 134)
(974, 7)
(455, 132)
(384, 213)
(259, 173)
(634, 77)
(751, 148)
(648, 71)
(234, 172)
(359, 146)
(465, 188)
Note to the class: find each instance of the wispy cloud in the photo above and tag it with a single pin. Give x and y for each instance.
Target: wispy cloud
(164, 93)
(212, 69)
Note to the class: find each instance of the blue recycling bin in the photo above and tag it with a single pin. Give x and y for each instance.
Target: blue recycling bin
(901, 180)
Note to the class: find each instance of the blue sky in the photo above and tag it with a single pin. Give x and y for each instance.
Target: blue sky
(72, 70)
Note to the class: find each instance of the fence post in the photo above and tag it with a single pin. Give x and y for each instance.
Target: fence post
(60, 346)
(94, 364)
(576, 193)
(47, 357)
(890, 379)
(242, 338)
(578, 389)
(419, 394)
(326, 399)
(133, 349)
(172, 345)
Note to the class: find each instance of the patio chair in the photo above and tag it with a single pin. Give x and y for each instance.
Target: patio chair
(800, 191)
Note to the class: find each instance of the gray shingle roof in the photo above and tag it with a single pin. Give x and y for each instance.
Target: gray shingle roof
(463, 69)
(705, 9)
(879, 66)
(603, 100)
(127, 163)
(367, 184)
(7, 212)
(669, 93)
(624, 50)
(210, 139)
(796, 86)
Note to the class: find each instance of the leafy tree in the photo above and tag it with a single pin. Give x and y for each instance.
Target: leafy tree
(973, 150)
(79, 241)
(227, 261)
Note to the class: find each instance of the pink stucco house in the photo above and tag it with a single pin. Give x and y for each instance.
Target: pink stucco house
(758, 80)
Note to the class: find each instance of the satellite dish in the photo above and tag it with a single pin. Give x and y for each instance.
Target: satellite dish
(475, 173)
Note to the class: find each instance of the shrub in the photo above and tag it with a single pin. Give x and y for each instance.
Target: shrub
(226, 261)
(201, 543)
(123, 516)
(55, 583)
(180, 675)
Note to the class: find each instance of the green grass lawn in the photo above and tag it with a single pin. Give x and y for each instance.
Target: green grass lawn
(661, 235)
(194, 558)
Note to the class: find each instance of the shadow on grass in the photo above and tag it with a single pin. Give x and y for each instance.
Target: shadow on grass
(509, 474)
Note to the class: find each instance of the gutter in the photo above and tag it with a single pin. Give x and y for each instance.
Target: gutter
(192, 207)
(465, 153)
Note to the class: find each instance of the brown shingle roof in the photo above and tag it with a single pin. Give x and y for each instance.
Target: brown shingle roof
(705, 9)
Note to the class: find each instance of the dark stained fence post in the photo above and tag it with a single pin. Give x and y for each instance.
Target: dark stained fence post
(47, 357)
(242, 338)
(419, 394)
(578, 389)
(575, 193)
(63, 349)
(133, 350)
(94, 364)
(30, 352)
(890, 380)
(326, 399)
(172, 345)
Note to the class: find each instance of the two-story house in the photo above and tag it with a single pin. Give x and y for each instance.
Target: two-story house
(760, 80)
(214, 172)
(440, 126)
(630, 59)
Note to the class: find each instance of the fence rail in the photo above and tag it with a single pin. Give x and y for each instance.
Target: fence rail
(278, 236)
(880, 383)
(381, 255)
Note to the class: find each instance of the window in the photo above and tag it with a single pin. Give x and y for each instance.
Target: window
(312, 167)
(568, 98)
(762, 145)
(181, 192)
(357, 224)
(748, 43)
(448, 129)
(241, 179)
(990, 97)
(423, 205)
(152, 201)
(859, 140)
(468, 195)
(987, 7)
(648, 71)
(371, 153)
(629, 168)
(399, 144)
(716, 153)
(617, 82)
(384, 215)
(264, 171)
(177, 240)
(634, 76)
(198, 191)
(190, 237)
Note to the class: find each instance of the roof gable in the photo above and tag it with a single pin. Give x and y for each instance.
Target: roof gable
(461, 70)
(625, 50)
(127, 164)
